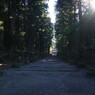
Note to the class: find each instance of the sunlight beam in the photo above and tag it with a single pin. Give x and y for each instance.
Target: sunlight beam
(92, 4)
(51, 10)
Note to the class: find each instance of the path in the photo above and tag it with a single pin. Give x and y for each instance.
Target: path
(49, 76)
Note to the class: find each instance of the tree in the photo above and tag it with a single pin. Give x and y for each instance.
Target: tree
(26, 30)
(74, 36)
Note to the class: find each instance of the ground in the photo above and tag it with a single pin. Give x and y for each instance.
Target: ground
(49, 76)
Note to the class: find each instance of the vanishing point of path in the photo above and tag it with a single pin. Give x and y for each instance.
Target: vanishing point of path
(49, 76)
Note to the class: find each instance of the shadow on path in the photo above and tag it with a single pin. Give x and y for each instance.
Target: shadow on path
(49, 76)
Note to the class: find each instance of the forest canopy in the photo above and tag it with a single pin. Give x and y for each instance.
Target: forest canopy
(75, 31)
(25, 30)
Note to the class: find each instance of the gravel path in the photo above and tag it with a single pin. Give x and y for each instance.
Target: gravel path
(49, 76)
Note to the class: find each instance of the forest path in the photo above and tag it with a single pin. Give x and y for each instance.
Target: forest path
(49, 76)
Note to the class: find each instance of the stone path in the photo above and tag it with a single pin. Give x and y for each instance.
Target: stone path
(49, 76)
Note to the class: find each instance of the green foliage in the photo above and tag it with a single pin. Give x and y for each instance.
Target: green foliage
(6, 9)
(22, 33)
(1, 27)
(1, 22)
(75, 31)
(27, 30)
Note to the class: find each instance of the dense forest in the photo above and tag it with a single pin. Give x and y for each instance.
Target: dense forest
(75, 31)
(25, 31)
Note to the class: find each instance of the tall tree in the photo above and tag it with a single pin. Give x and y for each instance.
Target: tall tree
(26, 29)
(74, 36)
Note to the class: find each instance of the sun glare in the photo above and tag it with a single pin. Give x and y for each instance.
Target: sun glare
(92, 2)
(51, 10)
